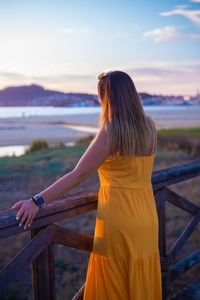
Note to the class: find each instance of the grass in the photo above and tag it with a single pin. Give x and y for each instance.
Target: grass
(46, 162)
(20, 177)
(194, 131)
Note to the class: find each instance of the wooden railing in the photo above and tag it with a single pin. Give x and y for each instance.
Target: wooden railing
(39, 252)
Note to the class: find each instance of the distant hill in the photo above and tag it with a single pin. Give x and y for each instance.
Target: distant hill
(35, 95)
(145, 96)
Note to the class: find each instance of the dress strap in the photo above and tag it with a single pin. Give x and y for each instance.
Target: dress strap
(155, 138)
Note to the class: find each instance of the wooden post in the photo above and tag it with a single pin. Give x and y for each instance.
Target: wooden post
(43, 272)
(162, 241)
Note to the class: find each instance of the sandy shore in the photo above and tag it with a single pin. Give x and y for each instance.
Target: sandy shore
(22, 131)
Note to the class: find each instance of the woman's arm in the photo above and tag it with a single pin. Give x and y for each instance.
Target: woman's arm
(91, 160)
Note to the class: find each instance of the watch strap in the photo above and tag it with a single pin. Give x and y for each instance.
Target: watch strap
(39, 200)
(35, 201)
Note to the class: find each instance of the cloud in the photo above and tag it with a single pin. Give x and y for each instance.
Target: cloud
(67, 30)
(63, 82)
(84, 29)
(192, 15)
(179, 79)
(73, 30)
(197, 1)
(4, 75)
(161, 77)
(168, 33)
(181, 6)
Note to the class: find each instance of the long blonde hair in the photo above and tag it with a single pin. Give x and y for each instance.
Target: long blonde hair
(129, 130)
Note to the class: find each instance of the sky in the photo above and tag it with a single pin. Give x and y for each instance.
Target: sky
(64, 45)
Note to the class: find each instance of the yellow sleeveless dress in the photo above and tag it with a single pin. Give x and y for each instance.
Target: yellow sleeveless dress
(125, 263)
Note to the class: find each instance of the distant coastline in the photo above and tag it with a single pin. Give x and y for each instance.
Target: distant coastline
(35, 95)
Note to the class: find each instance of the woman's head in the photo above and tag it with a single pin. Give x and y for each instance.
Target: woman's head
(117, 94)
(122, 114)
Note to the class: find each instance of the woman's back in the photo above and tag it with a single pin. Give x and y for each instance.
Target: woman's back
(133, 172)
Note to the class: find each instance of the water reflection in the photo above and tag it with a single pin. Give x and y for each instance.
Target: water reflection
(18, 150)
(88, 129)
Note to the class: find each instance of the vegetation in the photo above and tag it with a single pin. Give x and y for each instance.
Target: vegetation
(21, 177)
(84, 141)
(193, 131)
(38, 145)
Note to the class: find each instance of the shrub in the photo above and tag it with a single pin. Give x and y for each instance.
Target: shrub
(84, 141)
(38, 145)
(61, 145)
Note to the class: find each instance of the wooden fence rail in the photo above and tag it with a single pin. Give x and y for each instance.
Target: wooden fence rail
(39, 252)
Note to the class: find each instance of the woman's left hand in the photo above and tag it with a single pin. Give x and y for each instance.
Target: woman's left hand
(27, 212)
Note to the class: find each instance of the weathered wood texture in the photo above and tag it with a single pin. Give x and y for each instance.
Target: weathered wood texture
(190, 292)
(72, 238)
(79, 294)
(39, 252)
(183, 237)
(29, 253)
(68, 207)
(183, 266)
(43, 271)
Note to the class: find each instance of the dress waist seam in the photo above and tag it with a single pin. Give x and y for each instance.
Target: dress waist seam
(126, 187)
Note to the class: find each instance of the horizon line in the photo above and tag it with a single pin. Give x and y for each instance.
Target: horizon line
(89, 93)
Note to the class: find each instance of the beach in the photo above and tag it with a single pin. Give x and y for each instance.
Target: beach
(69, 128)
(16, 131)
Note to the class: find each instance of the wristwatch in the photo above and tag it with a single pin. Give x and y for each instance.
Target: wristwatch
(39, 200)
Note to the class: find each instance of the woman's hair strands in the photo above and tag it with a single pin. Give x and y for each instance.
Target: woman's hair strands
(129, 129)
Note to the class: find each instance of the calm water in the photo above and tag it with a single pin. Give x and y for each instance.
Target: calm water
(18, 150)
(27, 111)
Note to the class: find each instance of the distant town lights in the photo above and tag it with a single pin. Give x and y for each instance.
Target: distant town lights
(186, 98)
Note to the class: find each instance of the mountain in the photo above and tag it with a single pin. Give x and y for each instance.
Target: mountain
(36, 95)
(145, 96)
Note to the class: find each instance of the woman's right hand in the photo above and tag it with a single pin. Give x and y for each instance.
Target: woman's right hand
(28, 210)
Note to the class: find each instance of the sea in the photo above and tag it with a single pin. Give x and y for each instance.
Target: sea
(27, 111)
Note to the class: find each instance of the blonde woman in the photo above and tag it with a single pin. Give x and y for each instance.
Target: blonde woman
(124, 262)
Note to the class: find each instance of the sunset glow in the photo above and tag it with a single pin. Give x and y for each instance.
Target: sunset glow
(65, 45)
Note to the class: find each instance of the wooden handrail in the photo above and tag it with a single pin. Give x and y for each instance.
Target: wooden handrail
(44, 233)
(68, 207)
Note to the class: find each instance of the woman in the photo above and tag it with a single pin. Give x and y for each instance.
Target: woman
(124, 262)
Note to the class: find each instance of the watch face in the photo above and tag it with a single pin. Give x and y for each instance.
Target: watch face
(39, 199)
